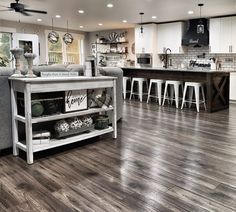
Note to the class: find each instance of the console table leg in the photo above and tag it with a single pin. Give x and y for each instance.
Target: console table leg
(14, 121)
(28, 124)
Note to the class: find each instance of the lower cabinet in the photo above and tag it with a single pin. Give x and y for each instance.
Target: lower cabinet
(233, 86)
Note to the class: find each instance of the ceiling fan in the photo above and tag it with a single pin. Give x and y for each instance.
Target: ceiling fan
(20, 8)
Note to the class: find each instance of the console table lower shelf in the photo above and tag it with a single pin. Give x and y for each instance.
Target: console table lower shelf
(61, 142)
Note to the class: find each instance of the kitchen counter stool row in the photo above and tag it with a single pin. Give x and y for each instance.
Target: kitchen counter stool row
(171, 91)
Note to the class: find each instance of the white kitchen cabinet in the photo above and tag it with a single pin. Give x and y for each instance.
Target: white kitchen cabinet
(170, 36)
(146, 42)
(233, 86)
(222, 35)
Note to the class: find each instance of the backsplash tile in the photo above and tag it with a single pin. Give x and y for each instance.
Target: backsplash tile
(228, 61)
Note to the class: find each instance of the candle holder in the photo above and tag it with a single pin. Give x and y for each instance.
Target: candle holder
(30, 57)
(17, 53)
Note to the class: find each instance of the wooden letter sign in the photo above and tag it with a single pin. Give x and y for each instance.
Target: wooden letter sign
(76, 100)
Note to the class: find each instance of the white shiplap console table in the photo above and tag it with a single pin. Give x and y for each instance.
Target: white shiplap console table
(28, 86)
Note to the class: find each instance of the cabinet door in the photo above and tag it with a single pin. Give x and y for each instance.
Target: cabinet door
(165, 39)
(233, 86)
(233, 22)
(145, 42)
(215, 35)
(225, 35)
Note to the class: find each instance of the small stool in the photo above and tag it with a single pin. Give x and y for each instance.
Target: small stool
(140, 82)
(173, 90)
(125, 81)
(158, 89)
(196, 86)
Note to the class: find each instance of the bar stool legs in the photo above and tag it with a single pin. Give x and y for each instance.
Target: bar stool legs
(140, 82)
(158, 90)
(174, 91)
(197, 88)
(125, 81)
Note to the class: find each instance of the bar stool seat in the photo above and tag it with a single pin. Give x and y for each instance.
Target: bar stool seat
(196, 86)
(140, 82)
(174, 91)
(125, 81)
(158, 89)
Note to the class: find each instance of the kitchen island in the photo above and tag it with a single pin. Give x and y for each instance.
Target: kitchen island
(216, 82)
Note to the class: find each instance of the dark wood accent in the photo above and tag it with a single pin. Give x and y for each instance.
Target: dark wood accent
(217, 83)
(163, 160)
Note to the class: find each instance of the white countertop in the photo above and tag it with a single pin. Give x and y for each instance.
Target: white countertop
(181, 70)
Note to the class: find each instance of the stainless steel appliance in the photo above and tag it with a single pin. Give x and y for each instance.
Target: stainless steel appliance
(144, 60)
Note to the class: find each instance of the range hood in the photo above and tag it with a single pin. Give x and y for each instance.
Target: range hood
(191, 37)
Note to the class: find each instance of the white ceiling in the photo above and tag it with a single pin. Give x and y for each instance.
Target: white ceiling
(97, 12)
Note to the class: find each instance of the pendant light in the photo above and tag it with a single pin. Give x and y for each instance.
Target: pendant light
(200, 26)
(68, 38)
(141, 16)
(53, 36)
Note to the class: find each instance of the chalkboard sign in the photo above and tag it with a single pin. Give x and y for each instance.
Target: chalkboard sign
(76, 100)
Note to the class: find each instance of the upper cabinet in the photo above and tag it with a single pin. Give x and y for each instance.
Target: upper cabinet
(170, 36)
(223, 35)
(146, 42)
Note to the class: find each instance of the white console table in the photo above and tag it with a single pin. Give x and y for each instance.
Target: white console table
(28, 86)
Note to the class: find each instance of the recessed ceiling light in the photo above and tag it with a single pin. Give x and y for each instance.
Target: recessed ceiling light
(58, 16)
(81, 27)
(124, 21)
(81, 11)
(154, 17)
(39, 19)
(110, 5)
(190, 12)
(100, 24)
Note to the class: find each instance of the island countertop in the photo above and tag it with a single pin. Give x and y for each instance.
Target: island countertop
(199, 70)
(216, 81)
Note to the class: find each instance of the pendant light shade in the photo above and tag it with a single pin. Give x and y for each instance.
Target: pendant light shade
(68, 38)
(53, 36)
(200, 26)
(141, 16)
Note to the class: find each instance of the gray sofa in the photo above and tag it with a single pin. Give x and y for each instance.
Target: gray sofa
(5, 109)
(5, 101)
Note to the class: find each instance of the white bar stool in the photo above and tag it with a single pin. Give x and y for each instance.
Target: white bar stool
(125, 81)
(158, 89)
(196, 86)
(174, 91)
(140, 82)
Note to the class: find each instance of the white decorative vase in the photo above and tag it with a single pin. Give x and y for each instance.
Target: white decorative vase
(30, 57)
(17, 53)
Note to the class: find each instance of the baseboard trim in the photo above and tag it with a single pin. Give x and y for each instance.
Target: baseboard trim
(232, 101)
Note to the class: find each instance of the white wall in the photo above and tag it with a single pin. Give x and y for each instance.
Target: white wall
(40, 31)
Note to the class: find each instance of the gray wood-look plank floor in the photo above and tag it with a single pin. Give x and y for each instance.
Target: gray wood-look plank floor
(163, 160)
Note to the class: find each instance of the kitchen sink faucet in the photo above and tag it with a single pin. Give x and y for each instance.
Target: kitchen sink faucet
(165, 59)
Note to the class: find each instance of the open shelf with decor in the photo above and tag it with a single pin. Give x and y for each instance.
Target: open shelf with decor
(76, 117)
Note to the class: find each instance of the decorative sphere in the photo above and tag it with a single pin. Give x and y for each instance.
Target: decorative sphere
(75, 123)
(87, 121)
(62, 126)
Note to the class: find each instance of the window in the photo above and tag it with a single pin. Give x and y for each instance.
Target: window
(60, 53)
(5, 46)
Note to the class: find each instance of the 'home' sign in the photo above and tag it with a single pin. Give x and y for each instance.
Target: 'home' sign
(76, 100)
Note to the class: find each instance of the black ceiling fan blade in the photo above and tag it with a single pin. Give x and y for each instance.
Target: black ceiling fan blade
(24, 13)
(6, 10)
(35, 11)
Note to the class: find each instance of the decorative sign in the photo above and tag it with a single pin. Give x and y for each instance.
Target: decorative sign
(59, 74)
(76, 100)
